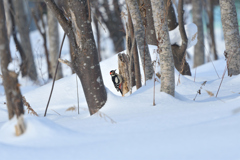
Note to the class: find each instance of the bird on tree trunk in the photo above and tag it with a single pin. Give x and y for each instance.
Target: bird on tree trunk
(117, 80)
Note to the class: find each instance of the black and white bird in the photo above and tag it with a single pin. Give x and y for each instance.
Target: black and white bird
(117, 80)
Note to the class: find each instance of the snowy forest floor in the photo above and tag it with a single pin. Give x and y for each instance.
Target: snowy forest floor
(128, 127)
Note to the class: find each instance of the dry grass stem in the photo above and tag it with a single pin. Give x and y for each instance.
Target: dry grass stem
(56, 112)
(29, 108)
(210, 93)
(73, 108)
(199, 91)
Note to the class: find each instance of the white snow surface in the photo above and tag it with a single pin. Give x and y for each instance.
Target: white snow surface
(127, 128)
(191, 32)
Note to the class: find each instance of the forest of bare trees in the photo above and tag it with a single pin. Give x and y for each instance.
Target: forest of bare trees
(130, 25)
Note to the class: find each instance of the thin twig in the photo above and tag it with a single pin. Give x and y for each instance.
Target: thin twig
(224, 72)
(77, 93)
(55, 75)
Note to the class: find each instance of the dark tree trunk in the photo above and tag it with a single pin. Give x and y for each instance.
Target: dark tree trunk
(150, 30)
(199, 55)
(172, 19)
(210, 10)
(134, 53)
(178, 52)
(85, 57)
(114, 24)
(21, 21)
(10, 82)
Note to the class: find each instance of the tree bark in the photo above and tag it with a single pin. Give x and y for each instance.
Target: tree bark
(164, 47)
(53, 38)
(197, 19)
(150, 30)
(231, 35)
(210, 10)
(178, 52)
(114, 24)
(134, 52)
(85, 59)
(123, 66)
(8, 18)
(21, 21)
(10, 82)
(140, 38)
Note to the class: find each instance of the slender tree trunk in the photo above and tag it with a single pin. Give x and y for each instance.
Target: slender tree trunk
(85, 57)
(21, 21)
(210, 9)
(178, 52)
(151, 35)
(8, 18)
(134, 53)
(164, 47)
(53, 38)
(197, 19)
(114, 24)
(231, 35)
(141, 38)
(10, 82)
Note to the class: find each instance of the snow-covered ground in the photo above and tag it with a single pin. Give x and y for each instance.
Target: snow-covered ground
(127, 128)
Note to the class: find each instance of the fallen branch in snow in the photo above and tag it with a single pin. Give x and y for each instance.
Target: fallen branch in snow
(199, 91)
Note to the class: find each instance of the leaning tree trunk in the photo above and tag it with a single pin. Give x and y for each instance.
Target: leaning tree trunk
(85, 57)
(164, 47)
(10, 82)
(140, 38)
(197, 19)
(21, 22)
(231, 35)
(150, 31)
(53, 38)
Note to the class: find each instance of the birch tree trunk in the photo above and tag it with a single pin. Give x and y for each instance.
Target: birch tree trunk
(53, 38)
(164, 47)
(197, 19)
(85, 57)
(10, 82)
(140, 38)
(21, 22)
(231, 35)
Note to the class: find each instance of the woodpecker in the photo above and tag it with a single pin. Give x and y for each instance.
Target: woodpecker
(117, 80)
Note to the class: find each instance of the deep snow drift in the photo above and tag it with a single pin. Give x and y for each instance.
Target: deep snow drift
(130, 127)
